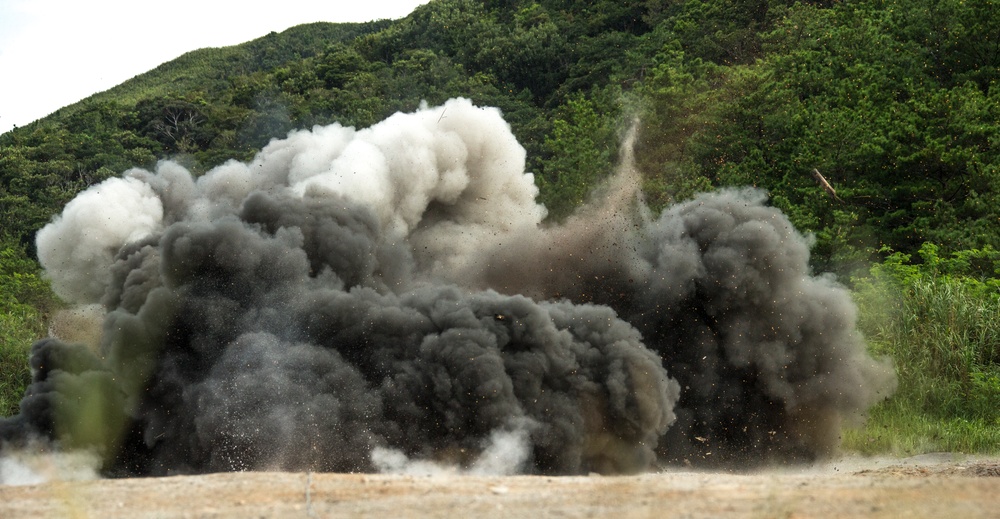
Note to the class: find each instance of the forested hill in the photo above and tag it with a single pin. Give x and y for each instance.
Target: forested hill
(894, 103)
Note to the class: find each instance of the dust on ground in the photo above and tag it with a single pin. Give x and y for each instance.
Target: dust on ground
(935, 485)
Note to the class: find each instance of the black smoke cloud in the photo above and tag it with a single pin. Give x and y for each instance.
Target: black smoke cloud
(350, 293)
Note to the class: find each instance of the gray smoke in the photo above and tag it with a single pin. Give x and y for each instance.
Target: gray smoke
(356, 300)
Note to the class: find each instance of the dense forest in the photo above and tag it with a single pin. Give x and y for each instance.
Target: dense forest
(875, 125)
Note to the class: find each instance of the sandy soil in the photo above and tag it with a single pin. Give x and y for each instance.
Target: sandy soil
(925, 486)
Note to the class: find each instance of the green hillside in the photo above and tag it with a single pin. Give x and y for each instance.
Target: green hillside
(895, 104)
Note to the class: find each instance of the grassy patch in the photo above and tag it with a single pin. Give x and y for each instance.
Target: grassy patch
(897, 428)
(25, 299)
(940, 324)
(18, 329)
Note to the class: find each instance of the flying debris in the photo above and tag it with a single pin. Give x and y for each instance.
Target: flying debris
(359, 300)
(825, 185)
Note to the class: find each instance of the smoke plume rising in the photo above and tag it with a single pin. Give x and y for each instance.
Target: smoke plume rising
(357, 300)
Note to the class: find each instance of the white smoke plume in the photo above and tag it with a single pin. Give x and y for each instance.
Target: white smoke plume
(78, 248)
(34, 466)
(504, 453)
(389, 298)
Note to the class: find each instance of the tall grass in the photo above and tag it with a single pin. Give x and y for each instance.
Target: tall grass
(939, 321)
(19, 327)
(25, 300)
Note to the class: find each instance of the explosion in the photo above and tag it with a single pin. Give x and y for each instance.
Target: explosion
(353, 300)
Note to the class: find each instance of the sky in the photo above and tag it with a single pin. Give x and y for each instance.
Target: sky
(54, 53)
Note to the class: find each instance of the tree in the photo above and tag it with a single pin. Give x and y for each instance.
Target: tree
(580, 150)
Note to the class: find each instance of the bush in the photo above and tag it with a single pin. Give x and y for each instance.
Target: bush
(939, 320)
(25, 301)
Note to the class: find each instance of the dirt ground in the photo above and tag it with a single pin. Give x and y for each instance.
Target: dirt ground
(941, 485)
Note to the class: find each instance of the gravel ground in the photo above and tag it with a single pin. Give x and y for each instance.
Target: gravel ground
(941, 485)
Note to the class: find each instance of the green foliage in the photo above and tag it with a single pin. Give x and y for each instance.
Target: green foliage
(25, 299)
(721, 32)
(581, 148)
(44, 165)
(894, 429)
(856, 90)
(677, 94)
(939, 321)
(960, 39)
